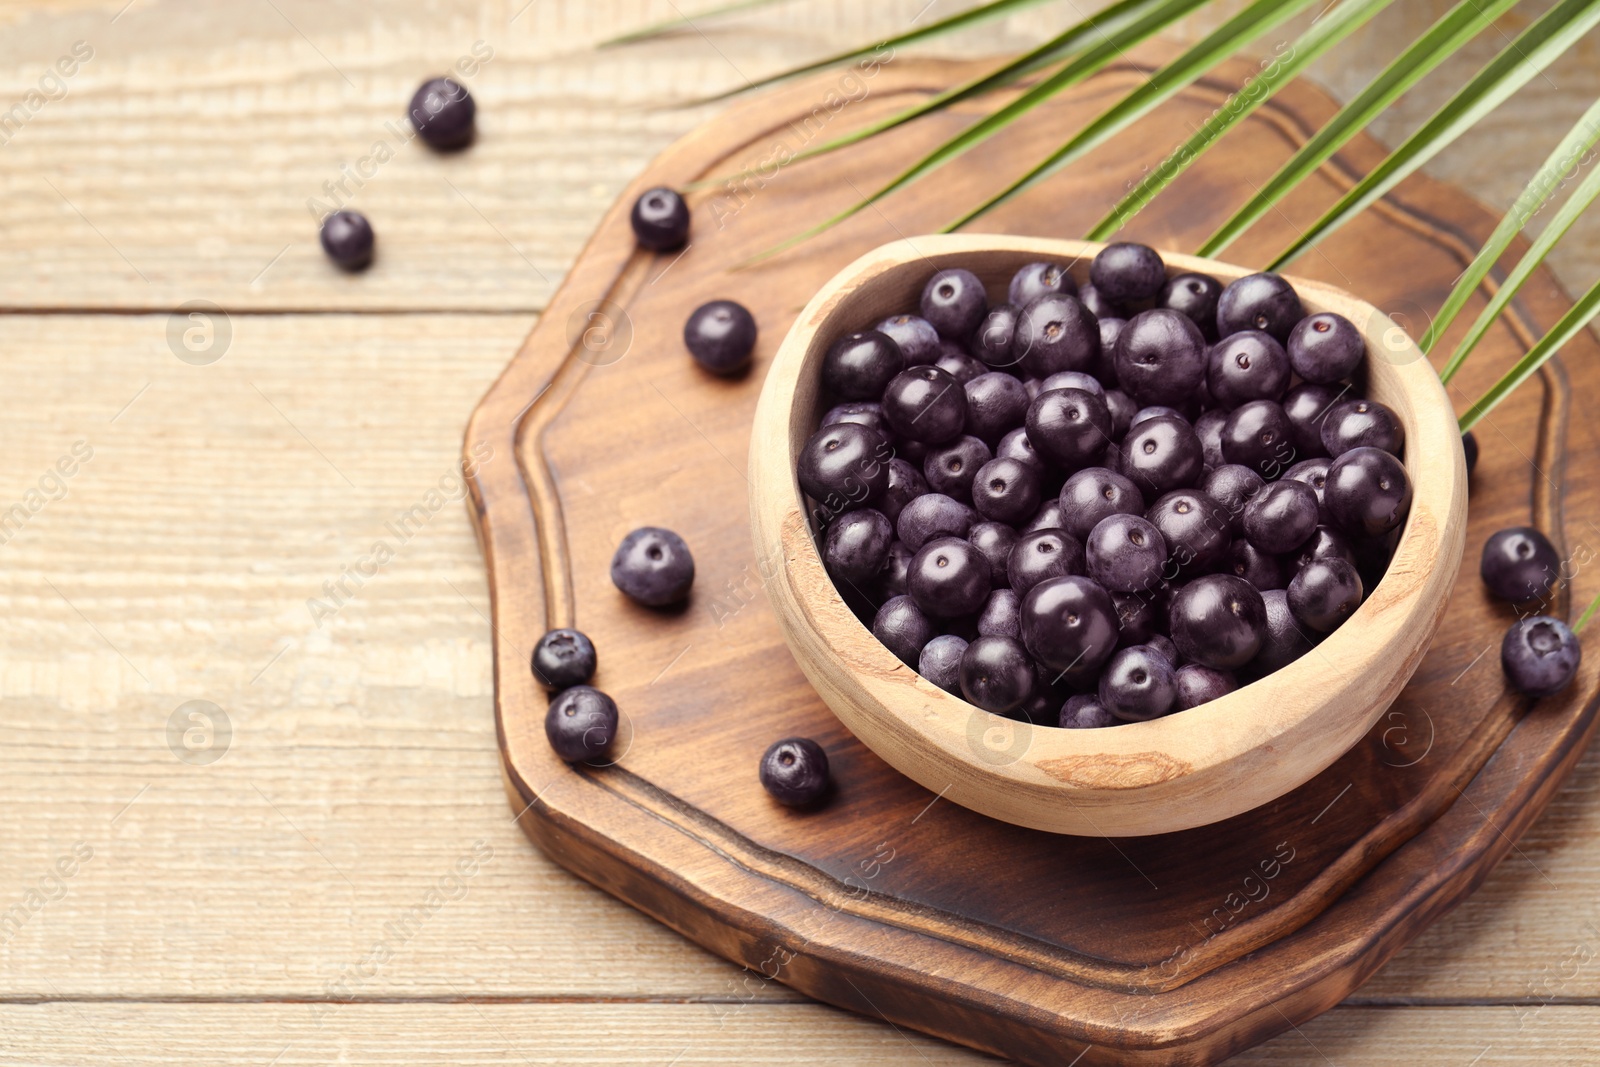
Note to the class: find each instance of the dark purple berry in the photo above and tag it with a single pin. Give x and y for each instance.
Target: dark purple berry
(1000, 615)
(867, 413)
(1540, 656)
(1069, 427)
(1036, 279)
(1140, 616)
(1519, 563)
(1126, 553)
(1085, 712)
(843, 466)
(890, 582)
(1006, 490)
(1160, 358)
(580, 723)
(993, 341)
(1054, 333)
(933, 515)
(1326, 347)
(996, 674)
(995, 540)
(1261, 570)
(1094, 493)
(1246, 366)
(1127, 273)
(940, 662)
(859, 366)
(903, 628)
(1233, 486)
(1286, 640)
(347, 239)
(948, 578)
(905, 485)
(1098, 305)
(1259, 302)
(563, 658)
(794, 771)
(1324, 543)
(1123, 408)
(1195, 297)
(1258, 435)
(1307, 405)
(916, 338)
(951, 467)
(1162, 454)
(442, 112)
(653, 566)
(1362, 423)
(1042, 555)
(1016, 445)
(954, 361)
(954, 301)
(1154, 411)
(1196, 529)
(856, 545)
(925, 404)
(1138, 685)
(1218, 620)
(1198, 685)
(1048, 517)
(1323, 594)
(1069, 623)
(660, 220)
(996, 404)
(1072, 379)
(1208, 427)
(1281, 516)
(1313, 473)
(721, 335)
(1367, 492)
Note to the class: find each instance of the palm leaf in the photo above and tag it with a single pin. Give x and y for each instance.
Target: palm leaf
(1577, 317)
(1531, 52)
(1323, 34)
(1066, 43)
(681, 23)
(1457, 26)
(1110, 47)
(1557, 169)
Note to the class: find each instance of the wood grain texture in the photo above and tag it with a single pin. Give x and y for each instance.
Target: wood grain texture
(1150, 963)
(1169, 774)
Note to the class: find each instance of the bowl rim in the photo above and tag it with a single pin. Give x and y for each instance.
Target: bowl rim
(1281, 729)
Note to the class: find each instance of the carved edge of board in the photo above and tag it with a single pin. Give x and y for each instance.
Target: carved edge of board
(515, 558)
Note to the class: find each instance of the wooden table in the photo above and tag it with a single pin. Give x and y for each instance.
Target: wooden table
(342, 880)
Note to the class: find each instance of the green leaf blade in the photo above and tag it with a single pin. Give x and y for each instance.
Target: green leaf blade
(1577, 317)
(667, 27)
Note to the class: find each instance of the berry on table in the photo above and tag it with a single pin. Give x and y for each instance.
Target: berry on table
(794, 771)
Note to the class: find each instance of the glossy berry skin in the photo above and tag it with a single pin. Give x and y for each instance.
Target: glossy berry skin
(653, 567)
(1069, 623)
(1313, 473)
(1195, 296)
(995, 540)
(1073, 379)
(951, 467)
(1219, 621)
(580, 723)
(1357, 423)
(794, 771)
(1098, 305)
(925, 404)
(1000, 615)
(1260, 569)
(1286, 640)
(994, 341)
(1160, 358)
(347, 239)
(1042, 555)
(954, 361)
(930, 516)
(1281, 516)
(1258, 435)
(1208, 427)
(1140, 616)
(1036, 279)
(1162, 454)
(996, 674)
(1247, 366)
(1367, 492)
(948, 578)
(867, 413)
(890, 581)
(905, 485)
(1055, 333)
(916, 338)
(563, 658)
(859, 366)
(1323, 593)
(843, 465)
(443, 112)
(1469, 446)
(660, 220)
(1306, 406)
(1138, 684)
(1085, 712)
(1126, 553)
(1154, 411)
(1196, 529)
(1519, 563)
(954, 301)
(1198, 685)
(1540, 656)
(940, 662)
(996, 404)
(1259, 302)
(903, 628)
(1069, 427)
(1326, 347)
(720, 335)
(1233, 486)
(1128, 273)
(1324, 543)
(856, 546)
(1094, 493)
(1006, 490)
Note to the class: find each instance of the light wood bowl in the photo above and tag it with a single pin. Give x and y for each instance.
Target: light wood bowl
(1183, 770)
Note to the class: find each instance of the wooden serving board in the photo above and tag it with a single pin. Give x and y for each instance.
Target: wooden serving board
(1050, 950)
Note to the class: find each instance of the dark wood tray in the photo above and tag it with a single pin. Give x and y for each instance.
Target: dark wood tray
(1183, 948)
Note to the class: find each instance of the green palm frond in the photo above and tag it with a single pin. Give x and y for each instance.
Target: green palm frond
(1577, 317)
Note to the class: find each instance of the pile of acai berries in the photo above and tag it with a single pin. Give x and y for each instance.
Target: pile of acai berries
(1088, 506)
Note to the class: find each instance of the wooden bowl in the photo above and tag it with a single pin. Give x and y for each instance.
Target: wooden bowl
(1183, 770)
